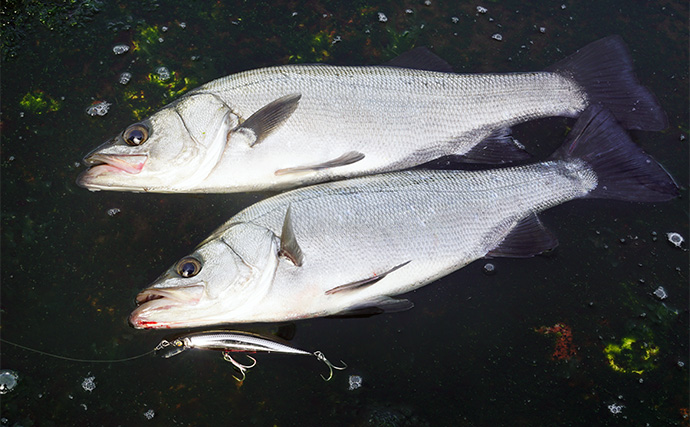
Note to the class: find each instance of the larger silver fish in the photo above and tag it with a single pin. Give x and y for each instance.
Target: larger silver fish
(347, 247)
(291, 125)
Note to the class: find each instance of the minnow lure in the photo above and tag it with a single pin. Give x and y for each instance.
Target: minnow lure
(237, 342)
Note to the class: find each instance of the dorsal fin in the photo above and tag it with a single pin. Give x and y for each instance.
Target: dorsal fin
(528, 238)
(420, 58)
(289, 247)
(267, 119)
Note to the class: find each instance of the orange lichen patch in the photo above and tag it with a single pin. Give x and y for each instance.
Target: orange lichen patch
(564, 348)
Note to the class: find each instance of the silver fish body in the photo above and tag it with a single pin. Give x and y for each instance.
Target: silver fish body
(347, 247)
(286, 126)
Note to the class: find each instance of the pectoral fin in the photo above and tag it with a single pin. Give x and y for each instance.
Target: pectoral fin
(376, 306)
(289, 247)
(346, 159)
(266, 120)
(364, 282)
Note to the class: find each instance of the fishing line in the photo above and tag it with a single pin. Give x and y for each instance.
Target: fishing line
(72, 359)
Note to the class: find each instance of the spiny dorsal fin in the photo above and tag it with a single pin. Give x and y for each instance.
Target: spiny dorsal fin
(346, 159)
(364, 282)
(267, 119)
(420, 58)
(289, 247)
(528, 238)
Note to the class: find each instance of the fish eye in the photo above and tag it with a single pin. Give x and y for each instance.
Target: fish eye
(136, 134)
(188, 267)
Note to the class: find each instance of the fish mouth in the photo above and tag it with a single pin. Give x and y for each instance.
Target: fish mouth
(154, 301)
(103, 163)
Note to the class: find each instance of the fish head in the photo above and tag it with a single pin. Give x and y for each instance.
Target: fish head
(173, 150)
(220, 282)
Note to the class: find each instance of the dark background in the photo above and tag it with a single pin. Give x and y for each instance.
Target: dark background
(469, 353)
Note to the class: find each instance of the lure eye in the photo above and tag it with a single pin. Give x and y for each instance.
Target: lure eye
(188, 267)
(136, 134)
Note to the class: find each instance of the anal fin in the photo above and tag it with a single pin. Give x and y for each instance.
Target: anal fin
(364, 282)
(528, 238)
(346, 159)
(499, 147)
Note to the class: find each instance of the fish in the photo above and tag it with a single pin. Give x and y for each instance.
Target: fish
(347, 248)
(288, 126)
(230, 341)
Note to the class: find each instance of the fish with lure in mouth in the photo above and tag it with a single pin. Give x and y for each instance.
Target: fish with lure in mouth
(348, 247)
(287, 126)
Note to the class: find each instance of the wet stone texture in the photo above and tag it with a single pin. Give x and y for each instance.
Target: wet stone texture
(612, 350)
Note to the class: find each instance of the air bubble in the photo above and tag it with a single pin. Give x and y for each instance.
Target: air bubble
(8, 380)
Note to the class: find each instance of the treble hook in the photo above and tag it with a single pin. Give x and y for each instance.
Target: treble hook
(240, 367)
(322, 358)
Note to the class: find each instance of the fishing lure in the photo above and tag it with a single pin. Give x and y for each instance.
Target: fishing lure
(236, 342)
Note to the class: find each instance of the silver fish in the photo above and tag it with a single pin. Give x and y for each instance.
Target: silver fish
(291, 125)
(230, 342)
(346, 247)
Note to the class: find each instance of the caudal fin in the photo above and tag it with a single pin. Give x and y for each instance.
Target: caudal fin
(624, 171)
(604, 69)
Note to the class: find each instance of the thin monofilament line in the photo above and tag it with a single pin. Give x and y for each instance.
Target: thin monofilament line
(72, 359)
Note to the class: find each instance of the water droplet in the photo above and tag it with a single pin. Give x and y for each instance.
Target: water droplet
(125, 78)
(163, 73)
(497, 36)
(8, 380)
(98, 109)
(355, 382)
(120, 49)
(482, 9)
(89, 384)
(675, 239)
(382, 17)
(660, 293)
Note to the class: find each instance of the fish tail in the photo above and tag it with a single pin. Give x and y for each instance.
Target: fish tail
(623, 170)
(604, 69)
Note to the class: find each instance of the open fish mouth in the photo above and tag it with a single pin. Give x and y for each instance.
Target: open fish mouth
(155, 300)
(129, 163)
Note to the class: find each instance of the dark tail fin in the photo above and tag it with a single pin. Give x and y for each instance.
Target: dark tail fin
(604, 69)
(623, 170)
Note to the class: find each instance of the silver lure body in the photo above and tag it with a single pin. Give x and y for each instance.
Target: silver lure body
(226, 341)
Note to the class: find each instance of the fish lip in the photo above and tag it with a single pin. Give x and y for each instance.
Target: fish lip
(128, 163)
(153, 300)
(180, 295)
